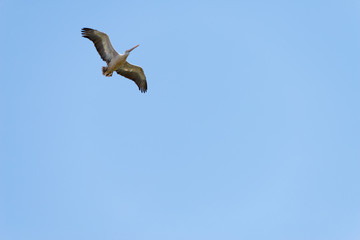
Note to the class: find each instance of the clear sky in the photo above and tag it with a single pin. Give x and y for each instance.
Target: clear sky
(250, 128)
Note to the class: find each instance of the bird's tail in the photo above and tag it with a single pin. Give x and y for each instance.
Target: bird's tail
(104, 70)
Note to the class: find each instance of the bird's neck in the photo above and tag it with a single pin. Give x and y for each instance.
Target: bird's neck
(123, 56)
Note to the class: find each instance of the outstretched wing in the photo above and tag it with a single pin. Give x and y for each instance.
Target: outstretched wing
(102, 43)
(134, 73)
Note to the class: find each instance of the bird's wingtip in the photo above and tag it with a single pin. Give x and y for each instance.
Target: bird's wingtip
(86, 30)
(143, 87)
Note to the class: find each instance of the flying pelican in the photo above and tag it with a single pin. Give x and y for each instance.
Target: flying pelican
(115, 61)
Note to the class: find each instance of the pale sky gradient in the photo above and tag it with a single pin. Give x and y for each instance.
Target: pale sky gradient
(250, 128)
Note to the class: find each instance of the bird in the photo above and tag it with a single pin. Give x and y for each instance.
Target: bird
(115, 61)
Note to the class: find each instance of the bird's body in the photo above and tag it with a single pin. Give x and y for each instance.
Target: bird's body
(115, 61)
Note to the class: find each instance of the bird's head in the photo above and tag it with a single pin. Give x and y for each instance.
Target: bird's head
(129, 50)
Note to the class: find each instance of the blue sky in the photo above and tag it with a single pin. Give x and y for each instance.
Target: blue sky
(249, 129)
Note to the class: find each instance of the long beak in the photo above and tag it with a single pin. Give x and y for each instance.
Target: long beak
(133, 48)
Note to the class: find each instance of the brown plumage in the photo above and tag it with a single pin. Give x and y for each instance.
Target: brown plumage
(115, 61)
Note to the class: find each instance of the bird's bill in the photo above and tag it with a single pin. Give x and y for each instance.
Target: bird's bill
(133, 48)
